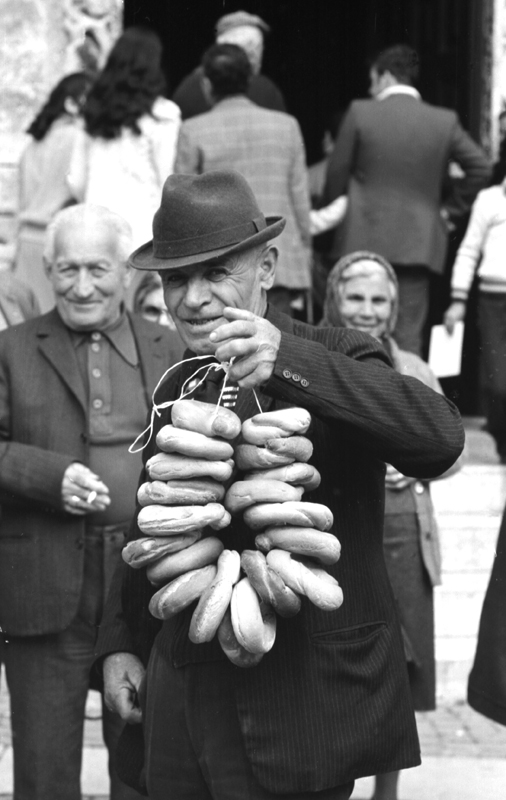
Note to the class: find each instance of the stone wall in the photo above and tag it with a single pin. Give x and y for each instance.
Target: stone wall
(42, 40)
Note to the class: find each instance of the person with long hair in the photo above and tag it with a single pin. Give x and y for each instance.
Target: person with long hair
(43, 188)
(127, 149)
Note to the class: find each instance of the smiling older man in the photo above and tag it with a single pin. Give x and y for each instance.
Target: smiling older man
(330, 702)
(75, 386)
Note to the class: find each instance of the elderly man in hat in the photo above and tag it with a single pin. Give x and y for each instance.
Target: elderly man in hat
(248, 32)
(330, 702)
(75, 387)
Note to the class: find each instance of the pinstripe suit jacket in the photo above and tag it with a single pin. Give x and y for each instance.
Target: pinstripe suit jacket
(43, 429)
(330, 702)
(267, 148)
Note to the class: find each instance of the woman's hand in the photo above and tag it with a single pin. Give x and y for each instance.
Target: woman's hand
(456, 312)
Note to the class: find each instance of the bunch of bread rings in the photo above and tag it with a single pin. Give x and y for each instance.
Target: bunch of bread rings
(238, 595)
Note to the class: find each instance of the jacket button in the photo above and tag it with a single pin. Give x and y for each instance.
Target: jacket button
(296, 377)
(419, 489)
(304, 382)
(287, 373)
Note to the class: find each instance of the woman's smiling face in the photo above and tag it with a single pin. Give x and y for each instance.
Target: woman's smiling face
(366, 299)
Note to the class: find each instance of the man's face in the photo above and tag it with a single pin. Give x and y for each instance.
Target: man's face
(197, 295)
(88, 278)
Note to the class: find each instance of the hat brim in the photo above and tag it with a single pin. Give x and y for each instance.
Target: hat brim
(143, 258)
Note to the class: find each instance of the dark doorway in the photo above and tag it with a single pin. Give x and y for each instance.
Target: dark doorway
(318, 51)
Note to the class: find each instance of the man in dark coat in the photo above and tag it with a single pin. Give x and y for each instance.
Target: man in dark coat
(75, 386)
(391, 157)
(486, 691)
(330, 702)
(248, 32)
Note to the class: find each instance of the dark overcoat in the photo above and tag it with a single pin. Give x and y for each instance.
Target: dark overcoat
(330, 702)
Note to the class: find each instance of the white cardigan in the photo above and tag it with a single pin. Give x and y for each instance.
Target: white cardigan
(486, 238)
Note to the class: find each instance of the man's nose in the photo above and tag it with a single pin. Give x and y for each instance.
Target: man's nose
(84, 283)
(197, 292)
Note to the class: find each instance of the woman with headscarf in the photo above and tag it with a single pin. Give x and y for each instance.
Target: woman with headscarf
(127, 151)
(43, 170)
(362, 293)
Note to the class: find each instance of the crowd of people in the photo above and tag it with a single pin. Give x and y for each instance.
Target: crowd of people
(152, 232)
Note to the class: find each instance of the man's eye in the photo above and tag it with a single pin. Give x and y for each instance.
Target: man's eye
(171, 281)
(216, 274)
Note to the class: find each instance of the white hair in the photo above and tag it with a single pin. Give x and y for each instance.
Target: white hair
(250, 39)
(87, 213)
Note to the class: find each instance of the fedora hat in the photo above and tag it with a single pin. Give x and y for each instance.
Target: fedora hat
(202, 217)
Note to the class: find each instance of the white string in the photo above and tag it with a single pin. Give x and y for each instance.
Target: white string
(157, 407)
(258, 402)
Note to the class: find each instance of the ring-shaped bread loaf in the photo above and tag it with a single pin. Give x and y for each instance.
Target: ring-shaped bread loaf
(191, 492)
(275, 424)
(234, 651)
(305, 578)
(269, 585)
(306, 542)
(172, 466)
(168, 520)
(299, 448)
(253, 621)
(215, 600)
(181, 592)
(249, 456)
(297, 514)
(190, 443)
(146, 550)
(204, 552)
(243, 494)
(206, 418)
(296, 474)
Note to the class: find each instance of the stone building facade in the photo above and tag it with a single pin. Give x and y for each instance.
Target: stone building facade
(41, 41)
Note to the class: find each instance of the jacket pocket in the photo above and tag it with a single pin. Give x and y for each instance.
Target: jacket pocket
(355, 634)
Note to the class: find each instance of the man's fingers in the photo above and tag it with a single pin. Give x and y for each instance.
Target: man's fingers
(233, 330)
(123, 703)
(237, 313)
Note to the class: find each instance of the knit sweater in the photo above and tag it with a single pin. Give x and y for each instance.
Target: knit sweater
(486, 238)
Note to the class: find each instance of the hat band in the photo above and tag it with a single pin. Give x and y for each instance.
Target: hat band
(208, 241)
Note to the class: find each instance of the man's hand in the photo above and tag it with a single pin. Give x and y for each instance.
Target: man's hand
(252, 341)
(123, 674)
(456, 312)
(396, 480)
(82, 491)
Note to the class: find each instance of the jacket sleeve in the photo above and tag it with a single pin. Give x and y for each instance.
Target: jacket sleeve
(477, 171)
(341, 161)
(27, 473)
(299, 187)
(188, 158)
(347, 382)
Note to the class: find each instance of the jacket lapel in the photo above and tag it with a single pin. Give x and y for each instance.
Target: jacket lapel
(11, 309)
(56, 346)
(152, 355)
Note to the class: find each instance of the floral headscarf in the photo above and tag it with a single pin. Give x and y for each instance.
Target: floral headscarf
(337, 277)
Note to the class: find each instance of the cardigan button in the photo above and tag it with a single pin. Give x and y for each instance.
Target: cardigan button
(419, 488)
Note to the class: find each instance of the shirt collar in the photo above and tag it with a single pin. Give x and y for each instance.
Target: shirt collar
(119, 335)
(399, 88)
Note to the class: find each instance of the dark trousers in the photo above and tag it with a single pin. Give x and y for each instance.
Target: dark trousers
(414, 295)
(48, 680)
(492, 324)
(194, 745)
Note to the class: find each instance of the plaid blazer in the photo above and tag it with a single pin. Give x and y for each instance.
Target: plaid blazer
(330, 702)
(267, 148)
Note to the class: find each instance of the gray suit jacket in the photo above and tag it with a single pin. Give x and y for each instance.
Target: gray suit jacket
(391, 157)
(43, 413)
(267, 148)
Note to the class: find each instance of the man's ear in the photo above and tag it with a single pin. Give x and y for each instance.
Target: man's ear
(127, 276)
(47, 267)
(207, 90)
(268, 266)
